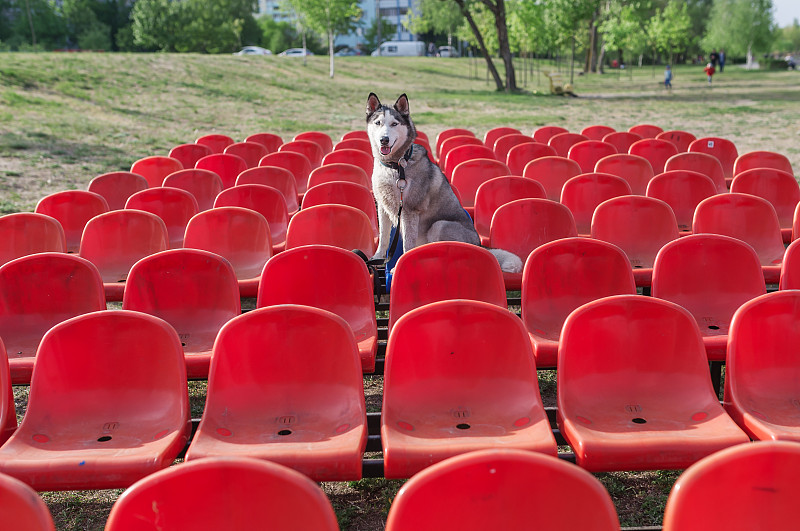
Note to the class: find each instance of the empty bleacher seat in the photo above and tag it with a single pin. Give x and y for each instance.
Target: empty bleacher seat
(72, 209)
(24, 233)
(226, 165)
(562, 142)
(324, 140)
(265, 200)
(790, 267)
(270, 141)
(297, 163)
(340, 171)
(622, 140)
(310, 149)
(173, 205)
(8, 415)
(117, 186)
(582, 193)
(494, 133)
(342, 226)
(588, 152)
(448, 133)
(552, 173)
(21, 508)
(464, 153)
(496, 192)
(657, 152)
(521, 154)
(279, 178)
(250, 152)
(681, 139)
(596, 132)
(776, 186)
(356, 157)
(504, 144)
(682, 190)
(546, 132)
(470, 174)
(634, 169)
(361, 144)
(189, 154)
(204, 185)
(344, 193)
(646, 130)
(702, 163)
(215, 142)
(761, 159)
(155, 168)
(724, 150)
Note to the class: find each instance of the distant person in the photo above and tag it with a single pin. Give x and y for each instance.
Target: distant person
(709, 70)
(714, 58)
(668, 77)
(790, 63)
(721, 59)
(431, 49)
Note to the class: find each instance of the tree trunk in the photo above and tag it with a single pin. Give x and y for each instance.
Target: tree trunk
(499, 12)
(30, 22)
(331, 38)
(305, 61)
(481, 43)
(601, 59)
(749, 56)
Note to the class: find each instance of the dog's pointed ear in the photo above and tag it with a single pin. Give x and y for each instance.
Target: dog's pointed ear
(401, 105)
(373, 103)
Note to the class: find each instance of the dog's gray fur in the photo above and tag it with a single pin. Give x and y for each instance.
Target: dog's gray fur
(431, 211)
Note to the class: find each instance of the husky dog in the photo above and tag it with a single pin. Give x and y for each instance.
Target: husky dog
(431, 212)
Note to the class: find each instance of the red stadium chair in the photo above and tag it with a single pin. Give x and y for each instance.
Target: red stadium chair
(40, 291)
(72, 209)
(270, 141)
(265, 200)
(464, 153)
(681, 139)
(447, 133)
(634, 169)
(327, 278)
(360, 134)
(116, 240)
(25, 233)
(279, 178)
(108, 404)
(239, 235)
(638, 225)
(355, 157)
(215, 142)
(646, 130)
(790, 268)
(8, 415)
(563, 141)
(711, 276)
(582, 193)
(523, 225)
(682, 190)
(622, 140)
(304, 375)
(597, 132)
(493, 134)
(341, 226)
(173, 205)
(359, 144)
(250, 152)
(702, 163)
(588, 152)
(204, 185)
(445, 395)
(310, 149)
(155, 168)
(223, 493)
(496, 192)
(520, 155)
(751, 486)
(21, 508)
(545, 133)
(116, 187)
(323, 140)
(552, 173)
(470, 174)
(227, 166)
(344, 193)
(492, 489)
(761, 159)
(340, 171)
(195, 291)
(633, 388)
(504, 144)
(657, 152)
(724, 150)
(296, 163)
(559, 277)
(189, 154)
(778, 187)
(453, 142)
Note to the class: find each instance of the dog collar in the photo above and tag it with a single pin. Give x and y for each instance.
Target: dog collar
(400, 164)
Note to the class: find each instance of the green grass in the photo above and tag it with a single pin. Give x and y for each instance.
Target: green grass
(65, 118)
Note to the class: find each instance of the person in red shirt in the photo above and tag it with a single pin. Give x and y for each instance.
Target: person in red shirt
(709, 70)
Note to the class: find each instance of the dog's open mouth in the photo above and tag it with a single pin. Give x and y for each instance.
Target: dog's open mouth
(386, 149)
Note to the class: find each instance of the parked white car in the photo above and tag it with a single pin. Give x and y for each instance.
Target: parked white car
(400, 48)
(253, 50)
(448, 51)
(296, 52)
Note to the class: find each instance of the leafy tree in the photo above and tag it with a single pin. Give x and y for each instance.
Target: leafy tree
(527, 28)
(33, 24)
(669, 29)
(435, 16)
(155, 24)
(371, 33)
(788, 38)
(623, 29)
(740, 27)
(277, 36)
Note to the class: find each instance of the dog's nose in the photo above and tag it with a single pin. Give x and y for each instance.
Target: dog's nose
(384, 140)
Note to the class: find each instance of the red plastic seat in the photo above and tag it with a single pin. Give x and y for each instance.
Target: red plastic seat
(702, 163)
(748, 218)
(173, 205)
(8, 415)
(562, 142)
(108, 404)
(358, 133)
(223, 493)
(453, 142)
(470, 174)
(361, 144)
(496, 192)
(155, 168)
(265, 200)
(279, 178)
(250, 152)
(778, 187)
(215, 142)
(762, 367)
(597, 132)
(116, 240)
(634, 391)
(681, 139)
(350, 156)
(195, 291)
(300, 403)
(297, 163)
(21, 508)
(622, 140)
(589, 152)
(523, 225)
(545, 133)
(638, 225)
(657, 152)
(116, 187)
(761, 159)
(464, 153)
(552, 173)
(72, 209)
(227, 166)
(444, 393)
(239, 235)
(189, 154)
(724, 150)
(341, 226)
(443, 271)
(504, 144)
(682, 190)
(582, 193)
(751, 486)
(328, 278)
(646, 130)
(310, 149)
(790, 268)
(520, 155)
(493, 489)
(344, 193)
(711, 276)
(204, 185)
(39, 291)
(340, 171)
(494, 133)
(562, 275)
(269, 140)
(447, 133)
(324, 140)
(25, 233)
(634, 169)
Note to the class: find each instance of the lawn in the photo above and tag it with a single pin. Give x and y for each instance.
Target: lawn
(66, 118)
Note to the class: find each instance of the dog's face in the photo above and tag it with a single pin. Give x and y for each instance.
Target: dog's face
(390, 129)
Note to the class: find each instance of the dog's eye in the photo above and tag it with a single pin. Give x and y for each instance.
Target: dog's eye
(395, 124)
(378, 122)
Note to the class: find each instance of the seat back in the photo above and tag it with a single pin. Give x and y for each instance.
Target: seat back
(521, 226)
(155, 168)
(622, 140)
(341, 226)
(340, 171)
(498, 191)
(657, 152)
(702, 163)
(350, 156)
(494, 133)
(790, 268)
(116, 187)
(265, 200)
(681, 139)
(724, 150)
(324, 140)
(470, 174)
(279, 178)
(21, 507)
(582, 193)
(552, 173)
(588, 152)
(761, 159)
(173, 205)
(682, 190)
(189, 154)
(344, 193)
(463, 153)
(8, 414)
(457, 141)
(562, 142)
(597, 132)
(24, 233)
(215, 142)
(504, 144)
(310, 149)
(361, 144)
(297, 163)
(204, 185)
(226, 165)
(447, 133)
(72, 209)
(633, 168)
(646, 130)
(521, 154)
(269, 140)
(545, 133)
(251, 152)
(776, 186)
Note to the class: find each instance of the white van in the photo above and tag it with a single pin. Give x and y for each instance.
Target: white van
(401, 48)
